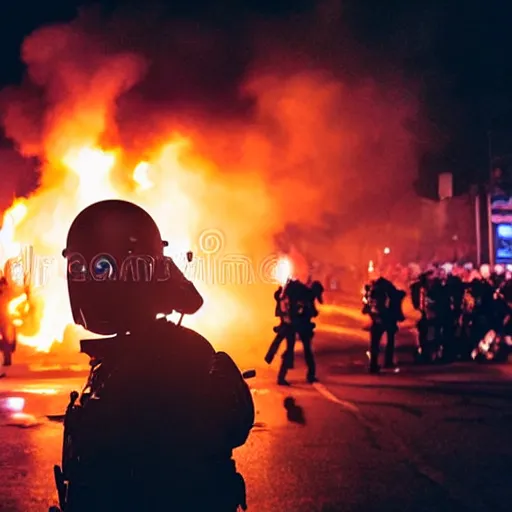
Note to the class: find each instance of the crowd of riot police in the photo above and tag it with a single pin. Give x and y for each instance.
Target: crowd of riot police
(465, 314)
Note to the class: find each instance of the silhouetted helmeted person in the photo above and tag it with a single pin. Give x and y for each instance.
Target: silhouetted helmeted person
(301, 310)
(424, 300)
(483, 317)
(385, 310)
(506, 297)
(284, 331)
(162, 411)
(456, 291)
(7, 331)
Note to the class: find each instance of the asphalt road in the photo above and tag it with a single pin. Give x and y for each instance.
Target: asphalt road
(425, 439)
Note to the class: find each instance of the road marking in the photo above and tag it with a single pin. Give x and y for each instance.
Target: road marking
(333, 398)
(422, 468)
(470, 501)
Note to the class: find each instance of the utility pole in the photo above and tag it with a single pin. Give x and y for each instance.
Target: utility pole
(488, 189)
(475, 199)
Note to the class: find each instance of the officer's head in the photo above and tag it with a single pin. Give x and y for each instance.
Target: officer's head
(485, 271)
(118, 276)
(446, 269)
(499, 270)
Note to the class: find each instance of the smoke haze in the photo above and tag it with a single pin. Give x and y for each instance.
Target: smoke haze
(292, 123)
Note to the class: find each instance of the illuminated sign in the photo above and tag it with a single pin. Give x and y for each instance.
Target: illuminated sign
(501, 210)
(501, 221)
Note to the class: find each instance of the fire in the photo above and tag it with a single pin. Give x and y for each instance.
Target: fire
(18, 308)
(12, 218)
(106, 121)
(141, 177)
(93, 167)
(284, 270)
(42, 221)
(190, 172)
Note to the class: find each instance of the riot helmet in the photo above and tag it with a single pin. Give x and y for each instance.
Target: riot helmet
(447, 268)
(118, 276)
(499, 270)
(485, 271)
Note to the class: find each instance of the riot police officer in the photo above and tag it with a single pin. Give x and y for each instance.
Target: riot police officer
(424, 301)
(384, 306)
(452, 330)
(8, 341)
(483, 314)
(301, 310)
(284, 331)
(162, 411)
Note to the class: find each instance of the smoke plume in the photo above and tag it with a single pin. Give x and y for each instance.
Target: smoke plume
(294, 127)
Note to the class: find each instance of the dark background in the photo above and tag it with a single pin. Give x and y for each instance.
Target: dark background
(458, 52)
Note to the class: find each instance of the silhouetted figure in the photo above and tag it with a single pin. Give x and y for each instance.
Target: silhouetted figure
(156, 424)
(384, 306)
(455, 288)
(284, 331)
(496, 344)
(8, 341)
(506, 305)
(483, 314)
(443, 317)
(446, 292)
(301, 309)
(294, 412)
(424, 300)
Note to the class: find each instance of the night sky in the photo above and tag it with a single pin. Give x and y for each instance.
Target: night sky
(458, 53)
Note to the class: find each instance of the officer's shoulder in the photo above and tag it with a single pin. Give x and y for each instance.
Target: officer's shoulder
(172, 335)
(188, 334)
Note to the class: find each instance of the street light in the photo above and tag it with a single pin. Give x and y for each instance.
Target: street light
(387, 250)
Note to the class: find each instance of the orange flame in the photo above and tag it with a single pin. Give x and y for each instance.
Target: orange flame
(12, 218)
(18, 308)
(92, 178)
(225, 174)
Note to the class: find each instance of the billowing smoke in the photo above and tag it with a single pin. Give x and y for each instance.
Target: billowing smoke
(294, 128)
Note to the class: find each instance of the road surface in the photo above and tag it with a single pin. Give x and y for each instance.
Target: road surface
(425, 439)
